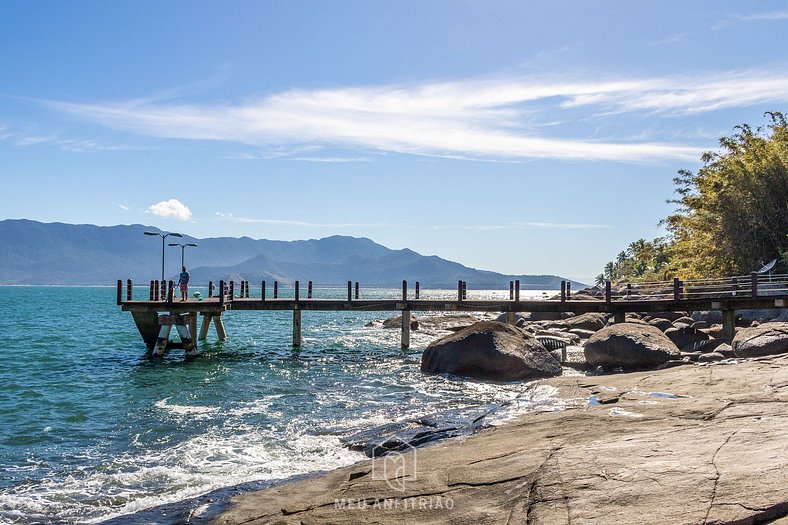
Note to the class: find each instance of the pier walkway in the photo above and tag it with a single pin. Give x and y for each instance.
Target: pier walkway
(162, 311)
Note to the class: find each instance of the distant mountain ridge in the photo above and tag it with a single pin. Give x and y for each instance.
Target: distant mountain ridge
(32, 252)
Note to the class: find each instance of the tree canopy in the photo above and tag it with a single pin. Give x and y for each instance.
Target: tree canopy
(731, 216)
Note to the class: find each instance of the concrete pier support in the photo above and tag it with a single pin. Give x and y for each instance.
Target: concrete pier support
(148, 326)
(163, 339)
(206, 324)
(619, 317)
(191, 321)
(219, 325)
(728, 324)
(186, 339)
(405, 329)
(511, 318)
(296, 327)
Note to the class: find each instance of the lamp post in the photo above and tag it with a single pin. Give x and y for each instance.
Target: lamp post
(183, 248)
(163, 236)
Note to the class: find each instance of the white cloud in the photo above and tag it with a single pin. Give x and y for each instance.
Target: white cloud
(771, 16)
(172, 208)
(124, 207)
(503, 118)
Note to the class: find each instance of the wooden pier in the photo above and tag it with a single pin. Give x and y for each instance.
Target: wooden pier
(156, 316)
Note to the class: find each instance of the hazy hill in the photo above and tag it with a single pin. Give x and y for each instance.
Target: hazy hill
(54, 253)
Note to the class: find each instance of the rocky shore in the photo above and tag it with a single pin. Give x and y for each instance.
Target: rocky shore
(700, 443)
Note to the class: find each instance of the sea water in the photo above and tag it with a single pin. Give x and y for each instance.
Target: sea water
(91, 428)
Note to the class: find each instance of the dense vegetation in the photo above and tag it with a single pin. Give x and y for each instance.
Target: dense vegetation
(731, 216)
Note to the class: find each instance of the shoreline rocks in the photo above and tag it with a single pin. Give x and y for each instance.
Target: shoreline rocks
(492, 351)
(629, 346)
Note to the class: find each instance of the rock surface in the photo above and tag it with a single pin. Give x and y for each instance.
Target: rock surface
(396, 322)
(490, 350)
(694, 444)
(765, 339)
(630, 346)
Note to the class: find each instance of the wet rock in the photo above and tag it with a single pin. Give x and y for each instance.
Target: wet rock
(490, 350)
(396, 322)
(703, 346)
(766, 339)
(698, 325)
(630, 346)
(710, 357)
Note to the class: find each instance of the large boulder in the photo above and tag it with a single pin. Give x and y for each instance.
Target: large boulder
(490, 350)
(766, 339)
(661, 323)
(545, 316)
(631, 346)
(589, 321)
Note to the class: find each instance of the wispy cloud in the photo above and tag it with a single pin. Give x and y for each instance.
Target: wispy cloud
(771, 16)
(668, 40)
(124, 207)
(489, 227)
(491, 118)
(172, 208)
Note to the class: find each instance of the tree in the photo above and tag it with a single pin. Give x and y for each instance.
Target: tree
(733, 213)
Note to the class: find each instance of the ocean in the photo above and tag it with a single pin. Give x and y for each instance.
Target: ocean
(91, 429)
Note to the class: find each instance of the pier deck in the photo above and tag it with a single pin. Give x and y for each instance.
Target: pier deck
(162, 311)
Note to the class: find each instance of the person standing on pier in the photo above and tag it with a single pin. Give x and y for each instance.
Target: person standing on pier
(183, 282)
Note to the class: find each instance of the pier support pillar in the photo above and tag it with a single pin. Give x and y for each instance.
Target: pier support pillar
(163, 339)
(619, 317)
(405, 329)
(511, 318)
(728, 324)
(191, 321)
(219, 325)
(296, 327)
(206, 324)
(186, 339)
(148, 326)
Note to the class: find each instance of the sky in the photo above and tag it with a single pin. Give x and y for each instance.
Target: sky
(515, 136)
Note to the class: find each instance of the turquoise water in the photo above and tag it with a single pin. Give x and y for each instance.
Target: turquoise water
(91, 428)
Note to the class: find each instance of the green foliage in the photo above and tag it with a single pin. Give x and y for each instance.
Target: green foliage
(731, 215)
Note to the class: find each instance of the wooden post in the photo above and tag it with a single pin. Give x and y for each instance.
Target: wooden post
(349, 291)
(754, 284)
(404, 290)
(276, 289)
(231, 292)
(734, 286)
(619, 317)
(568, 290)
(129, 290)
(676, 289)
(608, 292)
(262, 292)
(219, 325)
(210, 289)
(119, 298)
(511, 290)
(357, 290)
(309, 290)
(629, 290)
(170, 291)
(517, 291)
(563, 291)
(728, 324)
(296, 327)
(459, 291)
(151, 292)
(221, 292)
(405, 343)
(163, 290)
(511, 318)
(464, 290)
(206, 324)
(417, 289)
(297, 291)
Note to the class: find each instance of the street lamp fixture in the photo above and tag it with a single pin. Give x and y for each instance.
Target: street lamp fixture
(163, 236)
(183, 248)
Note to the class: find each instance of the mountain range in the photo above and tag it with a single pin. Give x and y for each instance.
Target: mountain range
(32, 252)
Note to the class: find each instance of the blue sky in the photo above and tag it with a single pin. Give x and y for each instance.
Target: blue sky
(513, 136)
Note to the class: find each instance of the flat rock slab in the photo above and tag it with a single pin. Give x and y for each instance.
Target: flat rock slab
(689, 445)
